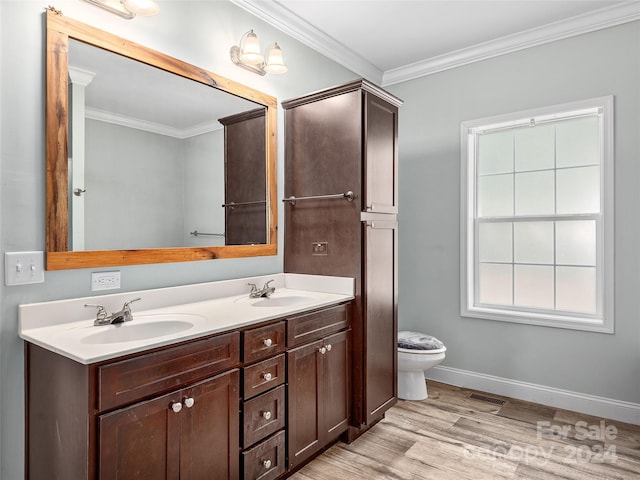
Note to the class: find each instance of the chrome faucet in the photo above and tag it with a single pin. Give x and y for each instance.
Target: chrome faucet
(265, 291)
(103, 318)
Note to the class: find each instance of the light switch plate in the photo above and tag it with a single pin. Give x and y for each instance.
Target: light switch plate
(21, 268)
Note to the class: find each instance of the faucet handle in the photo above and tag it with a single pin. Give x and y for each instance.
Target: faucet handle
(266, 285)
(129, 302)
(102, 313)
(253, 286)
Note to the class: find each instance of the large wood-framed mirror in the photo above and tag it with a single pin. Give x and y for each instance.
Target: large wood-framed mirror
(131, 184)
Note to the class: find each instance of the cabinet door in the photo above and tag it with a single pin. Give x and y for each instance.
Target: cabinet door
(210, 429)
(381, 306)
(381, 153)
(152, 441)
(303, 364)
(141, 442)
(336, 390)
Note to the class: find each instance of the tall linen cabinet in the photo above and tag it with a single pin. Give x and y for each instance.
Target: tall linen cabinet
(341, 219)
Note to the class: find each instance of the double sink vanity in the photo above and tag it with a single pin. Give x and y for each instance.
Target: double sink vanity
(203, 382)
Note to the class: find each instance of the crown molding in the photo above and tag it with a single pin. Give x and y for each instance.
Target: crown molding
(283, 19)
(125, 121)
(578, 25)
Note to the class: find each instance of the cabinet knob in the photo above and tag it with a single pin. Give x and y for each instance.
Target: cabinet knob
(266, 464)
(176, 406)
(267, 376)
(188, 402)
(267, 342)
(322, 350)
(329, 348)
(266, 415)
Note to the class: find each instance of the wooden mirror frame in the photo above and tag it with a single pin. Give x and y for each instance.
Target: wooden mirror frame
(59, 30)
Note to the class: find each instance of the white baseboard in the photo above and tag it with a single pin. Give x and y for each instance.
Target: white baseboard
(578, 402)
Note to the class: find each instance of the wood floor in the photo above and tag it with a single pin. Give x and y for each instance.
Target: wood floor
(454, 435)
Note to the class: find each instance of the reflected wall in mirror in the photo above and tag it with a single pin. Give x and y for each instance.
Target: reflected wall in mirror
(159, 161)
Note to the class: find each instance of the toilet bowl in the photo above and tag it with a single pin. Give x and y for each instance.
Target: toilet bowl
(417, 353)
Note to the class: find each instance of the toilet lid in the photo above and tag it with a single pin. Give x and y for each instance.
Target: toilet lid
(418, 341)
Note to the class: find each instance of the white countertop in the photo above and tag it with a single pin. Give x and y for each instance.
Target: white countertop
(186, 312)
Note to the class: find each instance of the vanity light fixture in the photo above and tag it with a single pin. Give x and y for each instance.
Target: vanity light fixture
(127, 8)
(249, 56)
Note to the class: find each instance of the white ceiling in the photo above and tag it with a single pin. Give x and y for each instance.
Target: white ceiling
(389, 41)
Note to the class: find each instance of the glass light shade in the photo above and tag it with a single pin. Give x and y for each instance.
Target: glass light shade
(275, 62)
(250, 49)
(141, 7)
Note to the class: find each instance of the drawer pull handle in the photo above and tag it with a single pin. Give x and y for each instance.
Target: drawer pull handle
(267, 376)
(188, 402)
(322, 350)
(267, 342)
(176, 406)
(266, 415)
(329, 348)
(266, 464)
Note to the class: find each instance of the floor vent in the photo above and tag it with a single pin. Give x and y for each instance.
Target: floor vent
(497, 401)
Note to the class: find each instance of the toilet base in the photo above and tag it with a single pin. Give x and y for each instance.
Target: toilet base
(412, 385)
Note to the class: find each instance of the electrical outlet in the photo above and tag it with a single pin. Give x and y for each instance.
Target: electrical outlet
(21, 268)
(105, 280)
(320, 248)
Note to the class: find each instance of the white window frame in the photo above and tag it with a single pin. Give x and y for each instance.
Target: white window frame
(603, 320)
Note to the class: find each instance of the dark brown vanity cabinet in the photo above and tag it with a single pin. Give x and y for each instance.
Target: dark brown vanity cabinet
(189, 433)
(319, 382)
(263, 405)
(340, 141)
(172, 413)
(229, 406)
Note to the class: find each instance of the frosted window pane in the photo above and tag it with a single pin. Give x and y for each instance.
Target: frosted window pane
(533, 286)
(534, 193)
(578, 190)
(578, 142)
(576, 242)
(495, 153)
(495, 242)
(533, 242)
(534, 148)
(495, 195)
(576, 289)
(495, 284)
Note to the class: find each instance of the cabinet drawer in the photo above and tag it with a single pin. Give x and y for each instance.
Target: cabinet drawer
(316, 325)
(265, 461)
(262, 376)
(129, 380)
(263, 342)
(263, 416)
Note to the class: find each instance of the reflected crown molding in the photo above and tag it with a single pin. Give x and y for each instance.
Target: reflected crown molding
(152, 127)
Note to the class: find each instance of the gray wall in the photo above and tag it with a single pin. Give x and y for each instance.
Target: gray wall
(591, 65)
(204, 187)
(123, 208)
(200, 32)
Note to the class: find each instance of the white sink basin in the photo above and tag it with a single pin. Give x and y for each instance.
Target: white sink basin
(142, 327)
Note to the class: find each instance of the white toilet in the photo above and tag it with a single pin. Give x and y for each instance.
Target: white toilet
(417, 352)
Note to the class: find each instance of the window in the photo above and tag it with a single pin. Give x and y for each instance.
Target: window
(537, 216)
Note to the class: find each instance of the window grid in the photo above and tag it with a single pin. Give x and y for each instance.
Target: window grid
(602, 286)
